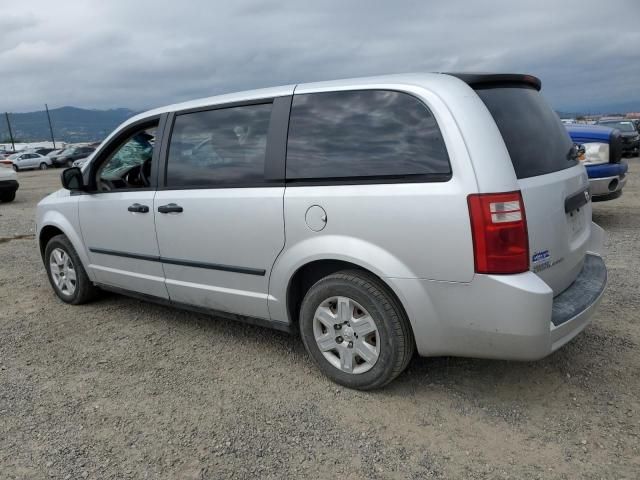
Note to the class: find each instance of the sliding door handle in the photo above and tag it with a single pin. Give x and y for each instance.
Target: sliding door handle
(170, 208)
(137, 208)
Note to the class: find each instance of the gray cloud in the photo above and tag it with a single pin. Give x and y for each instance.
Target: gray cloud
(147, 53)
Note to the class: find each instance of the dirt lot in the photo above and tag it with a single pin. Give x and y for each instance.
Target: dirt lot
(125, 389)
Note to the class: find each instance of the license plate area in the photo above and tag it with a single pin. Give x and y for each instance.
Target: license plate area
(576, 222)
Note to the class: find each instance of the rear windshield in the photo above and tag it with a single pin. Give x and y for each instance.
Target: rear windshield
(536, 140)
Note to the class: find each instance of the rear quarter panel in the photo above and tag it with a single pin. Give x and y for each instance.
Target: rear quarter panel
(395, 230)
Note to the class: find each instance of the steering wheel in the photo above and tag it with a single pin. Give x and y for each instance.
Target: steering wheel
(144, 173)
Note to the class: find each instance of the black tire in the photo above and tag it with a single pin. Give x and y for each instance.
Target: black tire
(43, 166)
(396, 338)
(15, 168)
(8, 197)
(84, 290)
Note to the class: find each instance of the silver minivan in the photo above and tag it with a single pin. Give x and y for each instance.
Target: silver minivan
(440, 213)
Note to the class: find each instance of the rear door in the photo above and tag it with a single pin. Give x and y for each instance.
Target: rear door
(554, 186)
(219, 212)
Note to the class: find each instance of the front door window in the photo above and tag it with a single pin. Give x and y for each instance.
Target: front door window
(129, 166)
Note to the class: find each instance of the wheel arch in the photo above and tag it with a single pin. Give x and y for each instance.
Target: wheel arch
(311, 272)
(55, 223)
(47, 233)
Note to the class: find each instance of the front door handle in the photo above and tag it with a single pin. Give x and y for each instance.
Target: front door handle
(170, 208)
(137, 208)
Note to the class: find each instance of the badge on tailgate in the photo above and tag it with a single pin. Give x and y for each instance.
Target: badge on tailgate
(577, 200)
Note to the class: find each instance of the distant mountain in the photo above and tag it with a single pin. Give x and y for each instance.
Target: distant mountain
(70, 124)
(611, 108)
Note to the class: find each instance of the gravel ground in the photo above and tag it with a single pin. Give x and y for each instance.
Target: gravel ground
(125, 389)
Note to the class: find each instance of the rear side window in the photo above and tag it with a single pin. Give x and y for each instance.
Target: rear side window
(215, 148)
(364, 134)
(537, 141)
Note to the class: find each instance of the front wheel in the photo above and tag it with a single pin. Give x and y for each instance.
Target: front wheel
(43, 166)
(15, 168)
(355, 330)
(66, 273)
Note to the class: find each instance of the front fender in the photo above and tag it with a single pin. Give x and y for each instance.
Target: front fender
(68, 223)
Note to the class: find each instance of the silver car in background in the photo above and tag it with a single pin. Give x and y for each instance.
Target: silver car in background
(439, 213)
(29, 161)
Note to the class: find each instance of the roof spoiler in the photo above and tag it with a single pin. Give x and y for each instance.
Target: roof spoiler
(489, 80)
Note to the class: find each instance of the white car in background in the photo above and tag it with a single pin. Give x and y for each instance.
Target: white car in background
(8, 184)
(29, 160)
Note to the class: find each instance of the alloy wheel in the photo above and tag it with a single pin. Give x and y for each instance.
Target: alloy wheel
(63, 271)
(346, 334)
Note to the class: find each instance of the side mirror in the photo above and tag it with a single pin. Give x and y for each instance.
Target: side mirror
(72, 179)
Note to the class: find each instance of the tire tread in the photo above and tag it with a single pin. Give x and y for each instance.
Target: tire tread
(395, 318)
(85, 289)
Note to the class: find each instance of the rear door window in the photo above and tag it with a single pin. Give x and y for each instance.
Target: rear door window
(363, 135)
(536, 140)
(225, 147)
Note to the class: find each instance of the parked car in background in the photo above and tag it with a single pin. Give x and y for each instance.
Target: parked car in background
(29, 161)
(8, 184)
(80, 162)
(69, 155)
(629, 134)
(41, 150)
(324, 208)
(54, 154)
(602, 158)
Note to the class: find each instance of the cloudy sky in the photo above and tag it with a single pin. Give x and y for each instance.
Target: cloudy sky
(144, 53)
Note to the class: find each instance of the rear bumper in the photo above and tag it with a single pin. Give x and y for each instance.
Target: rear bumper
(8, 186)
(573, 308)
(508, 317)
(607, 185)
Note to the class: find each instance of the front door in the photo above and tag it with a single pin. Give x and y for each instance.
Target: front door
(116, 218)
(219, 222)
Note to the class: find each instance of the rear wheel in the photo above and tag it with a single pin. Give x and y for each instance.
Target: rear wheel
(43, 166)
(355, 330)
(66, 273)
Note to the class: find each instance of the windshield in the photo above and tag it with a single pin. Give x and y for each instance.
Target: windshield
(537, 141)
(622, 126)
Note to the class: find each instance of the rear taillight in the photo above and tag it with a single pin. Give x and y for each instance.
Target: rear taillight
(499, 229)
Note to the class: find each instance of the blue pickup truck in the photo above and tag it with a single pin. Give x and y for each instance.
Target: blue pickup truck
(602, 158)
